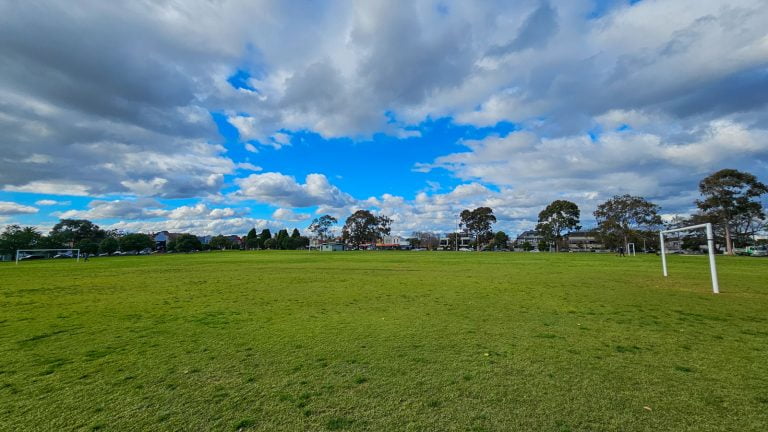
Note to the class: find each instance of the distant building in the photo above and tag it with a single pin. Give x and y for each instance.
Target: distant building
(332, 247)
(393, 242)
(530, 237)
(447, 242)
(162, 239)
(584, 241)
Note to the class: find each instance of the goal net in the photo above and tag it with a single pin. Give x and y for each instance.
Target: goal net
(710, 251)
(36, 254)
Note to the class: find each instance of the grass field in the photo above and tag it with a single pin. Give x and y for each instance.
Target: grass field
(383, 341)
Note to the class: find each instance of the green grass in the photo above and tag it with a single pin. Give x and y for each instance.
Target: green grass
(383, 341)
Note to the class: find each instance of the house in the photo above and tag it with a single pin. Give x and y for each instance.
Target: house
(447, 242)
(530, 237)
(332, 247)
(584, 241)
(163, 238)
(393, 242)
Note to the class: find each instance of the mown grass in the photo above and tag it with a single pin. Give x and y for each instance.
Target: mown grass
(383, 341)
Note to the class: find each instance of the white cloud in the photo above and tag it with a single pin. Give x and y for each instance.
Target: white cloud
(50, 202)
(11, 208)
(50, 188)
(288, 215)
(687, 77)
(251, 148)
(247, 166)
(279, 189)
(124, 209)
(230, 226)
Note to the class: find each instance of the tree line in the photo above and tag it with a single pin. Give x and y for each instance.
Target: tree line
(730, 200)
(282, 240)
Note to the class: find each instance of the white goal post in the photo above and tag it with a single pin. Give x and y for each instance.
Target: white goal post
(710, 251)
(21, 254)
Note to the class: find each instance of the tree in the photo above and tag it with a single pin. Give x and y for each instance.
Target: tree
(263, 237)
(730, 195)
(282, 239)
(88, 246)
(363, 227)
(136, 242)
(383, 226)
(322, 225)
(109, 245)
(269, 243)
(252, 239)
(558, 216)
(426, 240)
(72, 231)
(500, 240)
(220, 242)
(15, 237)
(478, 222)
(296, 241)
(621, 216)
(186, 243)
(527, 246)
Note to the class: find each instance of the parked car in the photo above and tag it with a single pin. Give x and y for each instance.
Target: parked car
(63, 255)
(759, 251)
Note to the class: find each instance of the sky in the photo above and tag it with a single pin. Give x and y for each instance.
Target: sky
(218, 116)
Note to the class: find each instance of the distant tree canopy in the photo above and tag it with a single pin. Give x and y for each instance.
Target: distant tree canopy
(730, 198)
(69, 232)
(220, 242)
(185, 243)
(88, 246)
(322, 225)
(500, 240)
(15, 237)
(623, 215)
(136, 242)
(363, 227)
(263, 237)
(478, 222)
(559, 216)
(425, 239)
(252, 239)
(109, 245)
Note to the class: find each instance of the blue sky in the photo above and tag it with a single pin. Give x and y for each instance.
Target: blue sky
(215, 118)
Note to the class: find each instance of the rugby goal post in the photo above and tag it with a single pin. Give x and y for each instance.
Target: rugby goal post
(710, 251)
(23, 254)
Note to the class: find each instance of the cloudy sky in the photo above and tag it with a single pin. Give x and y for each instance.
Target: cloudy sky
(217, 116)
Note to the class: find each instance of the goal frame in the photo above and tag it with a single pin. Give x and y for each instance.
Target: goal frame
(710, 251)
(19, 251)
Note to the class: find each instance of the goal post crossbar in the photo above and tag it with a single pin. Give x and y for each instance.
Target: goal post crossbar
(75, 252)
(710, 251)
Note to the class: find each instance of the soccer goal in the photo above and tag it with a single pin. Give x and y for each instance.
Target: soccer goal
(631, 249)
(32, 254)
(710, 251)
